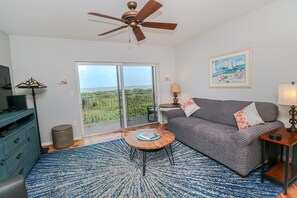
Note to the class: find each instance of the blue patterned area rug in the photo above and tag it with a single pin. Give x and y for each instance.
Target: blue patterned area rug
(105, 170)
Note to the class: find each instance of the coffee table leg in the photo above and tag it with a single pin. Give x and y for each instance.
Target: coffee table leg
(171, 161)
(132, 153)
(143, 162)
(171, 153)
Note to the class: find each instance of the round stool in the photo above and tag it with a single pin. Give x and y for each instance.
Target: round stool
(62, 136)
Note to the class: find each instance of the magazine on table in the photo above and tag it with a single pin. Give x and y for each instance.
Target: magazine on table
(148, 135)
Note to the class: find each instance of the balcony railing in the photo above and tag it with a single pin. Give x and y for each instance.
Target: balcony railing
(103, 108)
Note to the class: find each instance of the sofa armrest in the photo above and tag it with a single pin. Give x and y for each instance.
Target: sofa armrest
(175, 113)
(247, 136)
(13, 187)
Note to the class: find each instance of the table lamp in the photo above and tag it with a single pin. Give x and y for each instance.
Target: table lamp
(287, 95)
(33, 84)
(175, 88)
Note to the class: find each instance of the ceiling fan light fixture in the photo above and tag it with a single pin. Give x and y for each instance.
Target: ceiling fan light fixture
(133, 24)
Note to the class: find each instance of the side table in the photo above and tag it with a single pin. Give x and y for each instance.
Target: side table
(166, 107)
(283, 172)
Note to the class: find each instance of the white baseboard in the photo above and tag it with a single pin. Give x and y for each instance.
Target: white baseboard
(51, 143)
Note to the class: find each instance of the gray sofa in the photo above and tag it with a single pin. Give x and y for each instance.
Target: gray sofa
(213, 131)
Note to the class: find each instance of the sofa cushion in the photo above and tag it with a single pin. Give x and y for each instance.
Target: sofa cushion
(248, 117)
(221, 111)
(202, 129)
(193, 124)
(189, 107)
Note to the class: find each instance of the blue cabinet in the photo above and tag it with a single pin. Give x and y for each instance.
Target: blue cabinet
(2, 163)
(19, 143)
(32, 140)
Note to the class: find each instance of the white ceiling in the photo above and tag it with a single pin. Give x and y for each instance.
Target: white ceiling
(69, 19)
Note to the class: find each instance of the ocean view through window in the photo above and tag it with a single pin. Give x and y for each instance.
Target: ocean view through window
(116, 96)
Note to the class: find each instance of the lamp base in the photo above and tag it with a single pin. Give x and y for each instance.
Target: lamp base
(175, 100)
(293, 120)
(292, 129)
(176, 103)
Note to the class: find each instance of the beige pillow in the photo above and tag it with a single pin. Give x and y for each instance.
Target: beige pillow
(248, 117)
(189, 107)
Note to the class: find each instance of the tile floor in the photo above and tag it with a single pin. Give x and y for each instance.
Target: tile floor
(88, 140)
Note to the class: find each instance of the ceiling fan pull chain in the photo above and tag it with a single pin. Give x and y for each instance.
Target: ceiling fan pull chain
(129, 38)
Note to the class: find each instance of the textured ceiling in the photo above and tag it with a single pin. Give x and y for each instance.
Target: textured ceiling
(69, 19)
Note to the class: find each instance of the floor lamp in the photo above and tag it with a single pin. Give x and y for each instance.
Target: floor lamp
(34, 84)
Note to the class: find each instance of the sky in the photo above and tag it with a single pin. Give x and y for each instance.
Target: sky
(92, 76)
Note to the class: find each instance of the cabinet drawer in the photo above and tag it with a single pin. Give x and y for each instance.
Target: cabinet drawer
(3, 171)
(23, 169)
(16, 139)
(17, 157)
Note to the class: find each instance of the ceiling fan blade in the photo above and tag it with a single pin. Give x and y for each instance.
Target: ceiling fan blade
(119, 28)
(106, 16)
(149, 8)
(167, 26)
(138, 33)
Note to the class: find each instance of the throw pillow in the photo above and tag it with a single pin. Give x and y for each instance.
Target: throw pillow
(248, 117)
(189, 107)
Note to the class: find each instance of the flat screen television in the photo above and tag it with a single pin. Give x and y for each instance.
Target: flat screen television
(5, 87)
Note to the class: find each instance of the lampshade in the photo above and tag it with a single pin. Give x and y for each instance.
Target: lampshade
(287, 94)
(175, 88)
(31, 83)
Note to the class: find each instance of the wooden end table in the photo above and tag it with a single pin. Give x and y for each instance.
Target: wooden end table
(166, 139)
(283, 172)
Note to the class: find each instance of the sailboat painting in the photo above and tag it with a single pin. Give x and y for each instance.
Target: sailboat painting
(230, 70)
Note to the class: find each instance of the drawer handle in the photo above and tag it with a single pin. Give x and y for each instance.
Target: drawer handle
(16, 140)
(28, 139)
(21, 171)
(2, 162)
(19, 156)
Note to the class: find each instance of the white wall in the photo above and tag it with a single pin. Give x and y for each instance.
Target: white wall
(271, 32)
(48, 60)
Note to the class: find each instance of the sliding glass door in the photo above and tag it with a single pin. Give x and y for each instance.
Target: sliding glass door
(116, 96)
(139, 94)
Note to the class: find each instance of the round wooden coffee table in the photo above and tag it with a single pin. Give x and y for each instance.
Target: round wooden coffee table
(166, 139)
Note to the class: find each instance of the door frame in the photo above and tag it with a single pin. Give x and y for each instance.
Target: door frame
(121, 64)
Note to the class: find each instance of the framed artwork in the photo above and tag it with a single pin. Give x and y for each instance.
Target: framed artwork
(230, 70)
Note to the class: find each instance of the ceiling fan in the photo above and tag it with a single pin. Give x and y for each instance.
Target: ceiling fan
(134, 18)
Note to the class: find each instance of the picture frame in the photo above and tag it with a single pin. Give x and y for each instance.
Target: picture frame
(231, 70)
